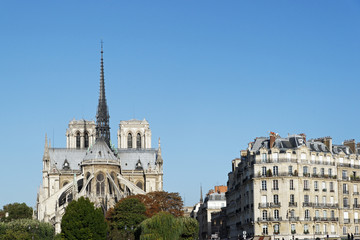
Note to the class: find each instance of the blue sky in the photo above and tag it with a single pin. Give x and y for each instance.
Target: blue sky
(209, 76)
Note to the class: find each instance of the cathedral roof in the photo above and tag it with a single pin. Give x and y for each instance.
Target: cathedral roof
(72, 155)
(100, 151)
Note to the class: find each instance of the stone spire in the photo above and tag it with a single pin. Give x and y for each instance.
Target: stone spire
(201, 195)
(46, 155)
(102, 115)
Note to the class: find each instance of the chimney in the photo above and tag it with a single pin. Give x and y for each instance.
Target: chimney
(351, 144)
(328, 142)
(303, 136)
(272, 139)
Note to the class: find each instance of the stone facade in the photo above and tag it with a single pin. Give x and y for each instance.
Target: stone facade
(92, 167)
(290, 188)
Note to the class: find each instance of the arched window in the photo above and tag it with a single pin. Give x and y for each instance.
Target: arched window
(86, 138)
(129, 140)
(138, 140)
(140, 185)
(78, 140)
(100, 184)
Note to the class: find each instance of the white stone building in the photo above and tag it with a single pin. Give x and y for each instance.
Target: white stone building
(92, 167)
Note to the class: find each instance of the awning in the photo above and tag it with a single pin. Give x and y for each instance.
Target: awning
(262, 238)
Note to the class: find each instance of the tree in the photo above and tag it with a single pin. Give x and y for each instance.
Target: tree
(16, 211)
(83, 221)
(26, 229)
(124, 218)
(189, 228)
(161, 201)
(161, 226)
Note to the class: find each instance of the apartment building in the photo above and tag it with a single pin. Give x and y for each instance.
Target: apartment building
(287, 188)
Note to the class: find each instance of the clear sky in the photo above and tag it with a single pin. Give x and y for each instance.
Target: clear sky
(209, 76)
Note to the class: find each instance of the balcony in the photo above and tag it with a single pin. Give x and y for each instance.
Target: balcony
(293, 219)
(307, 219)
(324, 189)
(345, 191)
(275, 189)
(326, 219)
(269, 219)
(356, 193)
(356, 205)
(306, 189)
(346, 220)
(269, 205)
(317, 233)
(356, 220)
(292, 204)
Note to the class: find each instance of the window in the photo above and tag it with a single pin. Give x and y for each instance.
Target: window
(330, 172)
(78, 140)
(275, 157)
(307, 214)
(263, 185)
(129, 140)
(292, 213)
(265, 229)
(276, 228)
(288, 156)
(356, 202)
(331, 185)
(317, 228)
(341, 160)
(355, 188)
(264, 215)
(275, 185)
(324, 199)
(263, 171)
(344, 231)
(345, 202)
(316, 199)
(292, 198)
(275, 170)
(293, 229)
(345, 188)
(305, 170)
(325, 228)
(322, 171)
(332, 214)
(263, 158)
(276, 199)
(356, 230)
(332, 200)
(306, 185)
(323, 186)
(138, 140)
(306, 198)
(291, 184)
(316, 185)
(344, 174)
(317, 213)
(324, 213)
(320, 159)
(86, 140)
(290, 170)
(303, 156)
(314, 170)
(276, 214)
(100, 184)
(306, 228)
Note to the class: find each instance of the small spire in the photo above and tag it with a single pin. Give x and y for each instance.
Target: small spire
(159, 151)
(46, 149)
(201, 194)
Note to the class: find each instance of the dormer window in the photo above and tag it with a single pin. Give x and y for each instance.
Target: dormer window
(66, 165)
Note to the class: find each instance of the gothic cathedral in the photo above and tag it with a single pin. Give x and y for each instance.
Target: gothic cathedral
(90, 166)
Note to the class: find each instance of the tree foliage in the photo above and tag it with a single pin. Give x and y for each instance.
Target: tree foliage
(83, 221)
(16, 211)
(163, 226)
(124, 218)
(26, 229)
(161, 201)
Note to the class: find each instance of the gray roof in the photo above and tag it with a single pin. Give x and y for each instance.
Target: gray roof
(130, 157)
(72, 155)
(100, 151)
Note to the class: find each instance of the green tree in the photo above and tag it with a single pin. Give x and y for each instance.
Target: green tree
(189, 228)
(124, 218)
(83, 221)
(26, 229)
(161, 226)
(16, 211)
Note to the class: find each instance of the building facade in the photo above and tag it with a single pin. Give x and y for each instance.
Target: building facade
(287, 188)
(213, 203)
(92, 167)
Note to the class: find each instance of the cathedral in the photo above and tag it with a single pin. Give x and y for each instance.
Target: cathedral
(92, 167)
